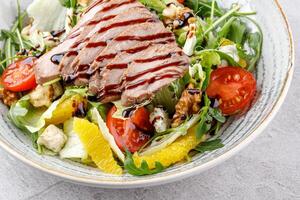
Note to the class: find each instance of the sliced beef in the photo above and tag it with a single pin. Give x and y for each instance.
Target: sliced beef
(146, 76)
(109, 11)
(109, 30)
(138, 40)
(116, 71)
(120, 50)
(45, 69)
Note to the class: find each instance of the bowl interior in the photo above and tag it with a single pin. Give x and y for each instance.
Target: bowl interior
(273, 74)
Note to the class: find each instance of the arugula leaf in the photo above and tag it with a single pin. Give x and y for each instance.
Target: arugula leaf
(217, 115)
(208, 60)
(237, 31)
(156, 5)
(132, 169)
(205, 119)
(169, 96)
(226, 28)
(209, 146)
(255, 42)
(203, 7)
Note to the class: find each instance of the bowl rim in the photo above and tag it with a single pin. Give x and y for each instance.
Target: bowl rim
(98, 182)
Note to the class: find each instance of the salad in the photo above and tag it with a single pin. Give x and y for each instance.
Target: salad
(128, 86)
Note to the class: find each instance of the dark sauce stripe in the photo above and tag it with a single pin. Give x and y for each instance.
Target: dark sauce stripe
(72, 53)
(95, 22)
(154, 69)
(146, 37)
(147, 60)
(96, 44)
(117, 66)
(126, 23)
(153, 79)
(156, 58)
(103, 57)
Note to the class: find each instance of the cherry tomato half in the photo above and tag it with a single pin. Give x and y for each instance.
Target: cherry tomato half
(234, 87)
(130, 133)
(19, 76)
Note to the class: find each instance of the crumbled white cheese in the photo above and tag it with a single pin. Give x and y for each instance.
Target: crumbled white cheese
(160, 120)
(191, 40)
(231, 50)
(224, 63)
(52, 138)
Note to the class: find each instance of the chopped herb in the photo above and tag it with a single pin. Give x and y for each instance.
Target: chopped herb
(209, 146)
(217, 115)
(132, 169)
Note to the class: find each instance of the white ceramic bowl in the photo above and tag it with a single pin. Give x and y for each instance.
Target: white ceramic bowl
(274, 74)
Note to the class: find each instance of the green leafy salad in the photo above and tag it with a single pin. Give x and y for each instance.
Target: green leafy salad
(128, 86)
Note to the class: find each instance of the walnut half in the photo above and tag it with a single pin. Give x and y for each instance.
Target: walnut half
(8, 97)
(188, 104)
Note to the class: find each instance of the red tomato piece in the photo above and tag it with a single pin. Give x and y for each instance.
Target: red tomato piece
(126, 133)
(140, 118)
(234, 87)
(19, 76)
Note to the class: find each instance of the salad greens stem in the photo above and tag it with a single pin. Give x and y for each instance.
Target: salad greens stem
(208, 6)
(20, 18)
(224, 30)
(238, 14)
(20, 39)
(221, 19)
(7, 59)
(258, 54)
(212, 14)
(8, 50)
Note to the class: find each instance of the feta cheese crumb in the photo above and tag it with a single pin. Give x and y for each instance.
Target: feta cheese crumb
(160, 120)
(52, 138)
(231, 50)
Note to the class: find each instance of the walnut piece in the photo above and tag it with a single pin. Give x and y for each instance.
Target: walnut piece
(8, 97)
(188, 104)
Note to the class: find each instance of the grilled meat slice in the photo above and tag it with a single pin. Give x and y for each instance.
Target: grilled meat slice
(47, 67)
(101, 39)
(109, 11)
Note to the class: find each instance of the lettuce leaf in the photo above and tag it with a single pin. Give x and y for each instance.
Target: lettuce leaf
(73, 148)
(157, 5)
(54, 20)
(28, 118)
(24, 115)
(169, 96)
(106, 134)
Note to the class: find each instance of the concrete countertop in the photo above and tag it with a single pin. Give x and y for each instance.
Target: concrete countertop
(269, 168)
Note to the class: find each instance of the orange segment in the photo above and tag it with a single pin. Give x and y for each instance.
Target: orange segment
(173, 153)
(96, 146)
(66, 109)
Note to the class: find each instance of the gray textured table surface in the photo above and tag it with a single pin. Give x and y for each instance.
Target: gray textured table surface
(269, 168)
